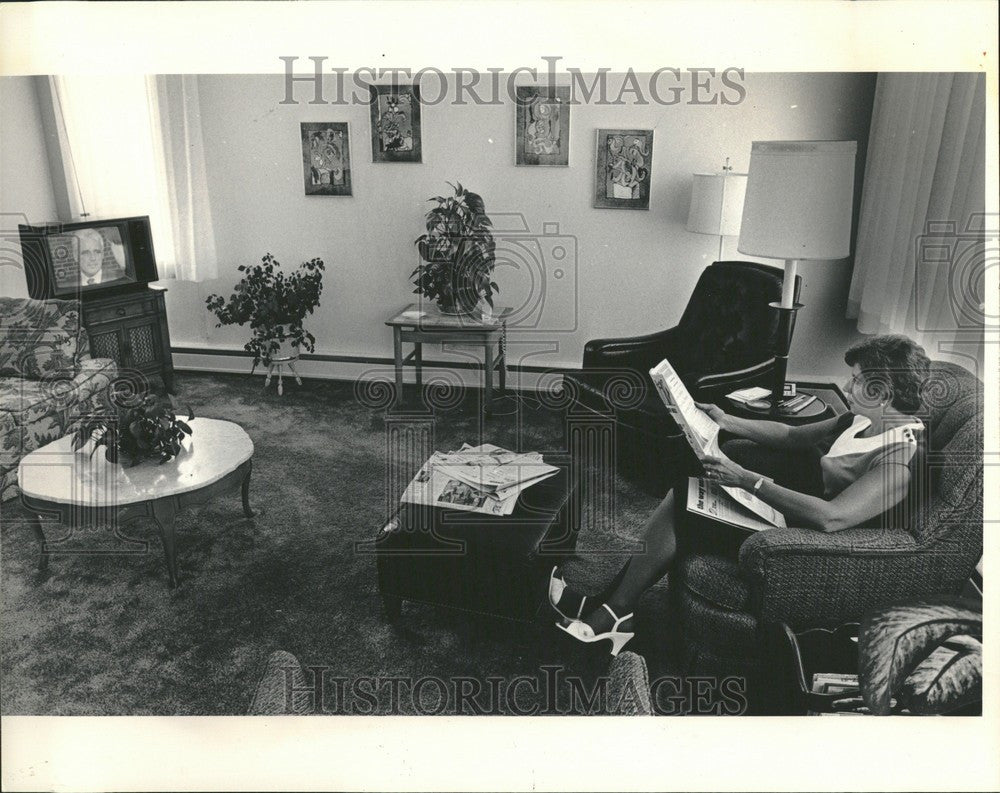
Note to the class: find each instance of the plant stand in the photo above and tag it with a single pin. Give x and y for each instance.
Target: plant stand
(275, 365)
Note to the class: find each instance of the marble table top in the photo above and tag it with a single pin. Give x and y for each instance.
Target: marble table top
(57, 474)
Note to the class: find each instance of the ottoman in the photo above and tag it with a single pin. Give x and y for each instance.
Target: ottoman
(497, 565)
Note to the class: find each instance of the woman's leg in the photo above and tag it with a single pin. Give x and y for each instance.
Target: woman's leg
(643, 569)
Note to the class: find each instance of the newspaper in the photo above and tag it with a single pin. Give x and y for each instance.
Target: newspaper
(701, 431)
(717, 502)
(732, 505)
(484, 479)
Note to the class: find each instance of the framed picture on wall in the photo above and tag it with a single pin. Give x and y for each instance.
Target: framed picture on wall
(326, 158)
(395, 123)
(624, 165)
(542, 133)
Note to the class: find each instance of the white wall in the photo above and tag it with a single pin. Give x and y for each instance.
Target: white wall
(633, 270)
(25, 186)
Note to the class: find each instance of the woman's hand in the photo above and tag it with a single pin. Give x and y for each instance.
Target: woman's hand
(717, 414)
(724, 471)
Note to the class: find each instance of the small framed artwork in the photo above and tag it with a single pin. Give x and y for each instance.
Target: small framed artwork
(624, 166)
(326, 158)
(542, 133)
(395, 121)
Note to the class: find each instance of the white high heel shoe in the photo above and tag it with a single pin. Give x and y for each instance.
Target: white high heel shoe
(556, 588)
(582, 632)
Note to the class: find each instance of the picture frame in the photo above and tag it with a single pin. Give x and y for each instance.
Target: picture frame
(396, 132)
(542, 125)
(326, 158)
(623, 168)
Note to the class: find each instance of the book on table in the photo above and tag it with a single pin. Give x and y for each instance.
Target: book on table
(732, 505)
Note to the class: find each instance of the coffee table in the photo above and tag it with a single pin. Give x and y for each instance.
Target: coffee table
(496, 565)
(79, 488)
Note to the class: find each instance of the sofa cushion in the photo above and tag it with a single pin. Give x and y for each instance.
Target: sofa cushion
(40, 337)
(18, 396)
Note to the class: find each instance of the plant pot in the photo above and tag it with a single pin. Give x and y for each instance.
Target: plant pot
(286, 348)
(453, 309)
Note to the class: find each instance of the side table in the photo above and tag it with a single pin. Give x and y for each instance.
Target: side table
(417, 324)
(830, 402)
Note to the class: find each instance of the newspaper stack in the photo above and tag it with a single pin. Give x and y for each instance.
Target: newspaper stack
(483, 478)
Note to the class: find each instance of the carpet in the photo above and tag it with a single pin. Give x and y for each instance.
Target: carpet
(103, 634)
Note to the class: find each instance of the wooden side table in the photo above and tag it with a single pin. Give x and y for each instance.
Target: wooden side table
(417, 324)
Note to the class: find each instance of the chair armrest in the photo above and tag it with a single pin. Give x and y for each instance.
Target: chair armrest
(637, 352)
(711, 387)
(810, 579)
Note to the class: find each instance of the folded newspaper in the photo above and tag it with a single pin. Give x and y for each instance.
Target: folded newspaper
(482, 478)
(732, 505)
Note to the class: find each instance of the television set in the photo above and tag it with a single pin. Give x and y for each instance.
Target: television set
(75, 260)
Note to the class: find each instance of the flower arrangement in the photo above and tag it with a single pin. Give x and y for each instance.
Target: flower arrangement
(273, 304)
(143, 428)
(458, 252)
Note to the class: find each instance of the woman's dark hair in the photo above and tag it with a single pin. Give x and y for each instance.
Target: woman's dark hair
(895, 367)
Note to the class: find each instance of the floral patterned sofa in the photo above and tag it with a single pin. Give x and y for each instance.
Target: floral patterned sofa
(48, 380)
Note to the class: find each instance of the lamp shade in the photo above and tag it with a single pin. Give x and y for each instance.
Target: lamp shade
(717, 203)
(799, 199)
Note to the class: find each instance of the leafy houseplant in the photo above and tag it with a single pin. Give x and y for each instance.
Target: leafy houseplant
(458, 253)
(274, 305)
(144, 428)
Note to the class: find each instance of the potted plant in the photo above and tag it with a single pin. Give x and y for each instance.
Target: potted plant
(457, 253)
(142, 428)
(274, 305)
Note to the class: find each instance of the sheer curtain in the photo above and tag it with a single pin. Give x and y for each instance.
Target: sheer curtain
(132, 145)
(919, 266)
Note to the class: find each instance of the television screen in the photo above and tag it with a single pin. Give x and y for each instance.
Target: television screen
(89, 258)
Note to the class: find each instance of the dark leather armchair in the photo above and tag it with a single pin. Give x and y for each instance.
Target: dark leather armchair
(809, 579)
(723, 341)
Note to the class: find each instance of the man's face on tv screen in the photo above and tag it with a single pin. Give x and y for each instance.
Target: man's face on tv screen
(91, 254)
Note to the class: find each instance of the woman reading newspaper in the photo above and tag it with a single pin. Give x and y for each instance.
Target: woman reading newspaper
(834, 474)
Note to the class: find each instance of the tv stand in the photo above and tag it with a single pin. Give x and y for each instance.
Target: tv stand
(131, 329)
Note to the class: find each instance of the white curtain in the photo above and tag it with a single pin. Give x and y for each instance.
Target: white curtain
(921, 235)
(131, 145)
(180, 159)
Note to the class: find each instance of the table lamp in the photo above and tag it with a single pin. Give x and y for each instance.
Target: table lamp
(717, 203)
(797, 208)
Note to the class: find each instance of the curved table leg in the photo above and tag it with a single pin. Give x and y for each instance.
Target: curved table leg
(245, 491)
(163, 513)
(43, 554)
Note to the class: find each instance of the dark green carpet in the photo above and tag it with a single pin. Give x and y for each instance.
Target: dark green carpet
(103, 635)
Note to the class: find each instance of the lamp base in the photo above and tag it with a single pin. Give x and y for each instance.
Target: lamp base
(783, 341)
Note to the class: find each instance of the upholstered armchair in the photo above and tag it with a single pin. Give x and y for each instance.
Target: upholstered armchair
(48, 381)
(724, 340)
(808, 579)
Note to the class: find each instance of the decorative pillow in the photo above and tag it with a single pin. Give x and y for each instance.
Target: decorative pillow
(38, 338)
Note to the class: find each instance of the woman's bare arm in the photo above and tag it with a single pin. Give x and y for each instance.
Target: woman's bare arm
(871, 495)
